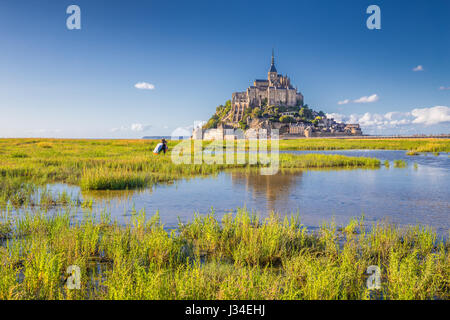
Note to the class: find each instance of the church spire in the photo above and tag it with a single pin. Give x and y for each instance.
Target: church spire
(272, 66)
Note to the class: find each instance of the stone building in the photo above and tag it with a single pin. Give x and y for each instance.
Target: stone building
(297, 129)
(281, 108)
(326, 127)
(353, 129)
(277, 90)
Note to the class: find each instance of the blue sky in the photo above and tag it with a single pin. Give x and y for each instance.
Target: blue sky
(56, 82)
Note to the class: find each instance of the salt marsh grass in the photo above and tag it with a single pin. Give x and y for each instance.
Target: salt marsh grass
(116, 165)
(400, 164)
(239, 257)
(326, 161)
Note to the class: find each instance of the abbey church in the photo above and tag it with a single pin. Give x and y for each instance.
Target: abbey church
(273, 104)
(276, 90)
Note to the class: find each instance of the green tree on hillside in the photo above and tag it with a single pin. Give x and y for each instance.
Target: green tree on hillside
(256, 113)
(221, 113)
(243, 125)
(286, 119)
(316, 120)
(306, 113)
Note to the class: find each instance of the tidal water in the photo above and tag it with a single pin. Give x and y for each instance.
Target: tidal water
(417, 194)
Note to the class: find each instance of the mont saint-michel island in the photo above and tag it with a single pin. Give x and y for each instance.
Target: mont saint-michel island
(274, 103)
(325, 176)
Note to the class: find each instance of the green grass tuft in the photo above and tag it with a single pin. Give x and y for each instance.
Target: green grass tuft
(400, 164)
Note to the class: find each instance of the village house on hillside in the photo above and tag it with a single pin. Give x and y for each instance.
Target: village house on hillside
(273, 104)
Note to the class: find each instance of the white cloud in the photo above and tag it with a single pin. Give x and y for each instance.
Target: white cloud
(444, 88)
(182, 132)
(369, 99)
(139, 127)
(431, 116)
(364, 99)
(372, 119)
(187, 130)
(136, 127)
(336, 116)
(199, 124)
(144, 86)
(418, 68)
(403, 121)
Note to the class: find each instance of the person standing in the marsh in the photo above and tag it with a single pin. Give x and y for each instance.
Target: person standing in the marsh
(161, 147)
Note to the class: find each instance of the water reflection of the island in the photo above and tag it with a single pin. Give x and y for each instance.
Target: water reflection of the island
(416, 194)
(274, 188)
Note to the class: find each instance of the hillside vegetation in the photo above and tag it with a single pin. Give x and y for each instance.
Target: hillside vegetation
(266, 112)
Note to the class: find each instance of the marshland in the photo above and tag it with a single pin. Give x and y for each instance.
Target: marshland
(142, 227)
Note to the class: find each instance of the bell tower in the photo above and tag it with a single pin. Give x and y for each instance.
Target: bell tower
(272, 74)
